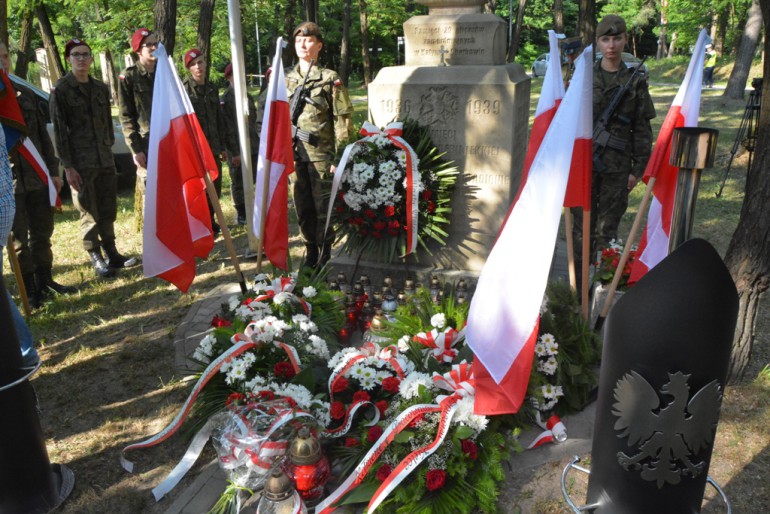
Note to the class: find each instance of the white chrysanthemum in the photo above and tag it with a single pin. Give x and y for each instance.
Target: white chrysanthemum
(544, 305)
(199, 356)
(308, 326)
(540, 350)
(321, 413)
(282, 297)
(382, 375)
(551, 392)
(387, 166)
(233, 302)
(342, 355)
(255, 384)
(319, 348)
(548, 366)
(299, 318)
(464, 416)
(410, 385)
(551, 347)
(547, 339)
(403, 344)
(309, 292)
(236, 373)
(401, 157)
(296, 392)
(438, 320)
(368, 383)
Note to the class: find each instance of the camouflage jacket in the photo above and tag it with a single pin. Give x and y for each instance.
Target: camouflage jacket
(231, 119)
(205, 102)
(630, 123)
(33, 110)
(82, 123)
(135, 92)
(328, 117)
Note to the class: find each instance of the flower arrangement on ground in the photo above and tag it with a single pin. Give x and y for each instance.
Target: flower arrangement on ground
(608, 265)
(380, 174)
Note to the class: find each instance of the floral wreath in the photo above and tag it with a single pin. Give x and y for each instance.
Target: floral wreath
(391, 192)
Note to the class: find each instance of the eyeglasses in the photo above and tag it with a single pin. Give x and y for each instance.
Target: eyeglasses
(153, 44)
(81, 56)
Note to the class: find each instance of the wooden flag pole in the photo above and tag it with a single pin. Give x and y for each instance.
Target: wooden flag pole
(626, 251)
(19, 278)
(225, 231)
(570, 248)
(263, 213)
(584, 268)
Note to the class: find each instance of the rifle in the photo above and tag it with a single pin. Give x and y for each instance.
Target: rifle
(301, 97)
(601, 136)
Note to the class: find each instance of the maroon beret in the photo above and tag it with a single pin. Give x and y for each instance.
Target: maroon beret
(72, 43)
(190, 56)
(138, 37)
(229, 70)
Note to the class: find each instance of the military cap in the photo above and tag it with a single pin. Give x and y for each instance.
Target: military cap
(138, 37)
(72, 43)
(190, 56)
(229, 70)
(611, 25)
(307, 28)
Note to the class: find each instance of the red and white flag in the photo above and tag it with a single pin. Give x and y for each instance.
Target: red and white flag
(684, 111)
(177, 225)
(276, 158)
(29, 152)
(505, 311)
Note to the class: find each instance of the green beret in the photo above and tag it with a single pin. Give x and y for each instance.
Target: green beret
(611, 25)
(307, 28)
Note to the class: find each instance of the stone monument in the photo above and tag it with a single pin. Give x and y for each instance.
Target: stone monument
(476, 105)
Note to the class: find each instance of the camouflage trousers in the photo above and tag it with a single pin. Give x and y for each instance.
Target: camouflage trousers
(311, 194)
(97, 203)
(609, 201)
(32, 231)
(236, 181)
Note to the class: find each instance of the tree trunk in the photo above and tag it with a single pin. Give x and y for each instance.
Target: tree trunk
(365, 42)
(109, 75)
(204, 32)
(25, 45)
(558, 16)
(514, 48)
(748, 256)
(4, 22)
(672, 45)
(288, 27)
(311, 10)
(345, 45)
(56, 68)
(587, 21)
(719, 40)
(165, 23)
(746, 48)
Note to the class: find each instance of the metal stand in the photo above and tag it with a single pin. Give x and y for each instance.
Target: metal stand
(590, 508)
(747, 130)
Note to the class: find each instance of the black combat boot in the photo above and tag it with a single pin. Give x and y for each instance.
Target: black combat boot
(33, 295)
(240, 219)
(46, 284)
(311, 256)
(115, 260)
(101, 268)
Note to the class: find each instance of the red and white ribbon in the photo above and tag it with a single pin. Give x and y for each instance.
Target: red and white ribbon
(393, 132)
(555, 431)
(348, 420)
(441, 344)
(291, 352)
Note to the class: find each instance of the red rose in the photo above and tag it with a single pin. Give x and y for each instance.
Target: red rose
(267, 395)
(394, 224)
(284, 370)
(374, 433)
(351, 442)
(376, 234)
(470, 449)
(219, 322)
(382, 406)
(339, 385)
(434, 479)
(337, 410)
(427, 194)
(391, 384)
(389, 211)
(431, 207)
(384, 472)
(361, 396)
(233, 398)
(370, 214)
(379, 225)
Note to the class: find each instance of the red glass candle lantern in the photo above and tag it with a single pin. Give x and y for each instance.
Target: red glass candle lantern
(307, 467)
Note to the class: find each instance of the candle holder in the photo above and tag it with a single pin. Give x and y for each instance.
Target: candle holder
(279, 496)
(307, 467)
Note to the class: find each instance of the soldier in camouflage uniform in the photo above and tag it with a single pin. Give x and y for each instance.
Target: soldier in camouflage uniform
(204, 97)
(84, 134)
(234, 157)
(135, 92)
(327, 116)
(620, 165)
(33, 223)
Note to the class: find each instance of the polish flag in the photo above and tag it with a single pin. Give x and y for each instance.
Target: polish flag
(684, 111)
(276, 159)
(28, 151)
(504, 314)
(177, 226)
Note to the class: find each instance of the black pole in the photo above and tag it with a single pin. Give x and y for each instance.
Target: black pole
(29, 483)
